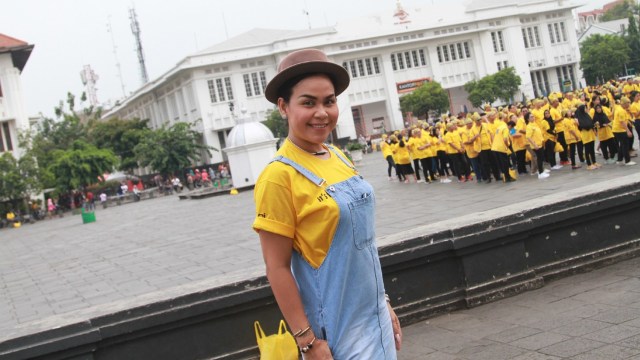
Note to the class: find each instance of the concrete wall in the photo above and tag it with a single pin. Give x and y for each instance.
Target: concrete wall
(463, 262)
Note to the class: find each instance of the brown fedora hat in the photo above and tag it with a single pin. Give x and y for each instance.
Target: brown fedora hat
(307, 61)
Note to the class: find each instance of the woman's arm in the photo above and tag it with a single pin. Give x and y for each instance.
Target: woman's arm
(277, 250)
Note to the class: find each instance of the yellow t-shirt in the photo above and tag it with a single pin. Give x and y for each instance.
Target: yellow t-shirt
(534, 134)
(386, 149)
(430, 142)
(587, 136)
(556, 115)
(538, 114)
(288, 204)
(414, 143)
(621, 117)
(402, 154)
(571, 133)
(485, 137)
(452, 138)
(470, 149)
(634, 110)
(501, 139)
(519, 142)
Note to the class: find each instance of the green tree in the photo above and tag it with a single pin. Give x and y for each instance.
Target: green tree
(603, 57)
(620, 11)
(501, 85)
(81, 165)
(278, 125)
(428, 97)
(170, 149)
(121, 136)
(633, 40)
(18, 178)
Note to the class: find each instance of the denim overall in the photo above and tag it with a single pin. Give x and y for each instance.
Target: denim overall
(344, 298)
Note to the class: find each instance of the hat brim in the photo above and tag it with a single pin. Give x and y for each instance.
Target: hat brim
(339, 76)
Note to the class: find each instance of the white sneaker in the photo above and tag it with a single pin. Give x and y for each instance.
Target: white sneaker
(546, 171)
(544, 175)
(390, 178)
(556, 167)
(619, 163)
(420, 181)
(445, 181)
(630, 163)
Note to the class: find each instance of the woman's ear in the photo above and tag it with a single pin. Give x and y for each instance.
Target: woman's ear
(282, 108)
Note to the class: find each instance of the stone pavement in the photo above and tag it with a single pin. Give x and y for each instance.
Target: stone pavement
(590, 316)
(59, 271)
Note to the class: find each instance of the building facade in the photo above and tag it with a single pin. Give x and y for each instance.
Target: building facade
(14, 54)
(387, 56)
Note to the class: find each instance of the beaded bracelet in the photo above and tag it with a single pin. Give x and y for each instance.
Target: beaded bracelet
(308, 347)
(386, 297)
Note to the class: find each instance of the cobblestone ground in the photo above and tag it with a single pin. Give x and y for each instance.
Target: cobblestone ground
(59, 270)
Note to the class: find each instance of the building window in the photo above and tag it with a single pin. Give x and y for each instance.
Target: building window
(414, 55)
(220, 89)
(263, 80)
(393, 62)
(0, 89)
(452, 52)
(367, 63)
(376, 67)
(400, 62)
(360, 67)
(7, 136)
(531, 37)
(498, 41)
(352, 66)
(256, 83)
(557, 32)
(407, 57)
(247, 85)
(423, 60)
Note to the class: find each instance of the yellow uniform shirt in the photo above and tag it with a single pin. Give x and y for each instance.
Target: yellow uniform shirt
(501, 139)
(519, 142)
(634, 110)
(470, 149)
(571, 133)
(386, 149)
(534, 134)
(620, 118)
(414, 144)
(288, 204)
(452, 139)
(402, 154)
(556, 115)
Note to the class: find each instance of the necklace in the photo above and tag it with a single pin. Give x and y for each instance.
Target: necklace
(317, 153)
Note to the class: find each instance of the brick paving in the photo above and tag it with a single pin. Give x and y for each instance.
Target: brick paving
(59, 271)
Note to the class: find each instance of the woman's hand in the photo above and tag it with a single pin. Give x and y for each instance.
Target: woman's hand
(319, 351)
(397, 330)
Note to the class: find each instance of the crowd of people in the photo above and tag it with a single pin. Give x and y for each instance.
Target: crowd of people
(498, 144)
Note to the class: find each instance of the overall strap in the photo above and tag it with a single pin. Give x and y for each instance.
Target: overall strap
(306, 173)
(344, 160)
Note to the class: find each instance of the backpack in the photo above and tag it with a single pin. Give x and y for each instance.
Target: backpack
(585, 122)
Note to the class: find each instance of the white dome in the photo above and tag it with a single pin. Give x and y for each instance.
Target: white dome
(248, 132)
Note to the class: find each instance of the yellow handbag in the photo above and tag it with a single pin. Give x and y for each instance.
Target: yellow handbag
(558, 148)
(280, 346)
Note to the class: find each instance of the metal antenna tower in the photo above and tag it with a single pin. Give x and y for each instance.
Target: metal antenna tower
(115, 55)
(89, 78)
(135, 29)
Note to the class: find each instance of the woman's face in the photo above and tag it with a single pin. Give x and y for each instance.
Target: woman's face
(312, 111)
(547, 113)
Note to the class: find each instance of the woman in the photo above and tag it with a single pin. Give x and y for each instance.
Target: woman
(548, 127)
(535, 140)
(605, 135)
(588, 135)
(387, 153)
(403, 162)
(315, 223)
(572, 136)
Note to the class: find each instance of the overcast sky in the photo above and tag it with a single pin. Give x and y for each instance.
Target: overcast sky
(69, 34)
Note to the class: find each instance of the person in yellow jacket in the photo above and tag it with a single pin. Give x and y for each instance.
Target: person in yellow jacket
(387, 154)
(455, 150)
(500, 149)
(622, 132)
(471, 141)
(519, 142)
(535, 141)
(556, 115)
(605, 135)
(403, 162)
(588, 135)
(572, 136)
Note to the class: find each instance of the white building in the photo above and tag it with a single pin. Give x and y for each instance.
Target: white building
(14, 54)
(387, 55)
(615, 27)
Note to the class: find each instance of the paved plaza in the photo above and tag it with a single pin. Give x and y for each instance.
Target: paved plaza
(60, 271)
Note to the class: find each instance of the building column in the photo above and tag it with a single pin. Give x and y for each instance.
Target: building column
(393, 98)
(14, 105)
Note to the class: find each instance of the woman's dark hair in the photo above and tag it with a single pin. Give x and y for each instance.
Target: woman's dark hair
(286, 90)
(401, 140)
(527, 116)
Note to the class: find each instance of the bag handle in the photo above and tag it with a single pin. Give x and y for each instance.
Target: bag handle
(282, 329)
(259, 331)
